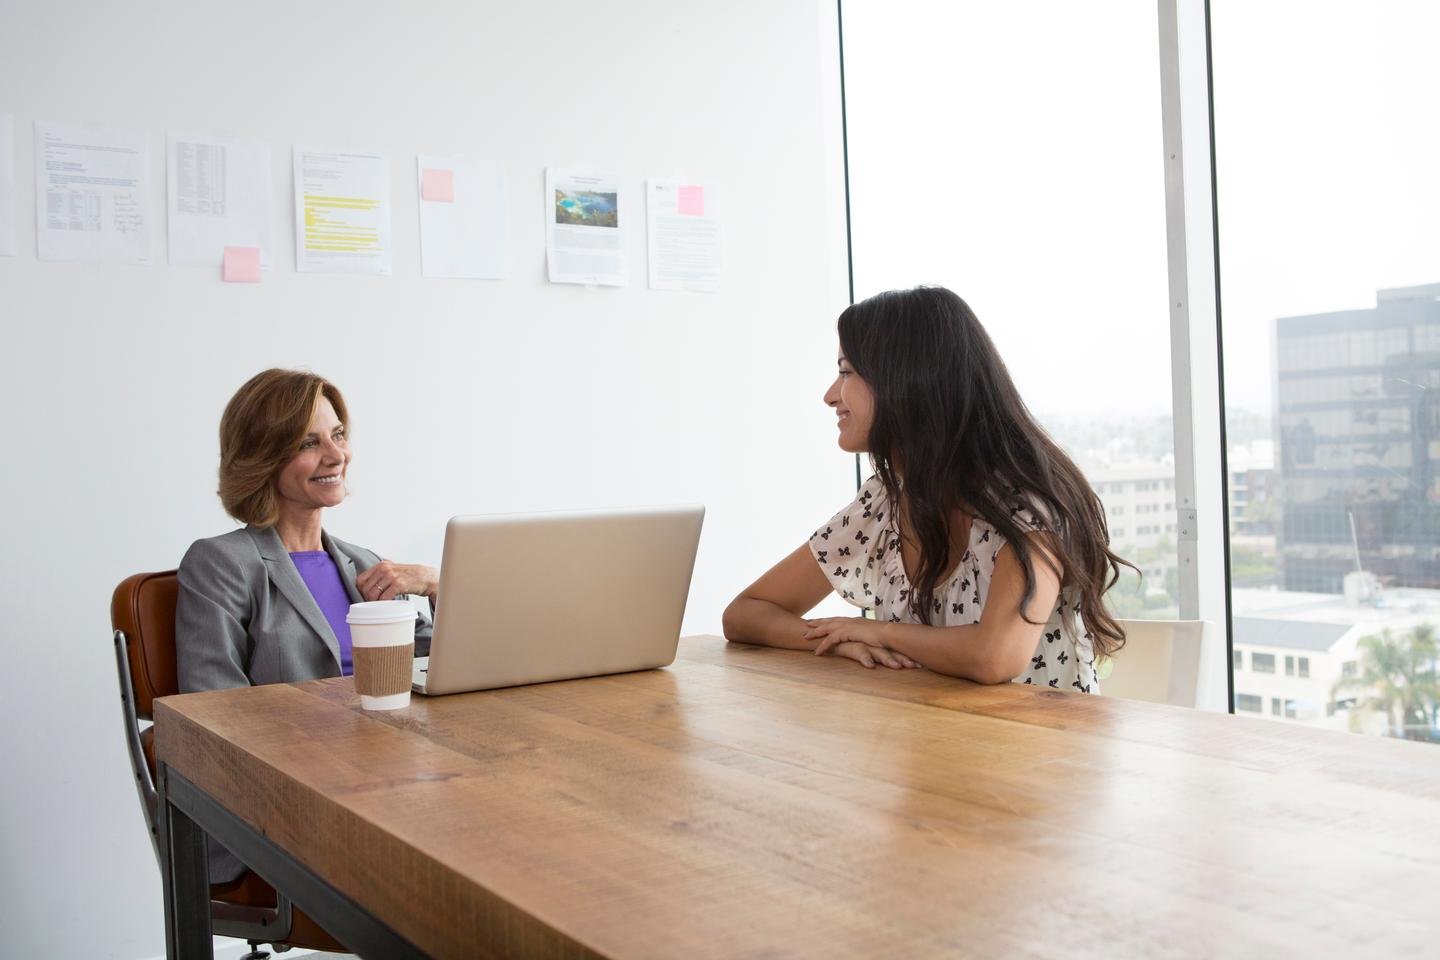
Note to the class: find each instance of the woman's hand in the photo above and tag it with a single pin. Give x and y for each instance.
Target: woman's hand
(859, 639)
(387, 580)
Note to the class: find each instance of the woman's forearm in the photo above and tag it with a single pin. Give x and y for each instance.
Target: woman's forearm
(750, 620)
(965, 651)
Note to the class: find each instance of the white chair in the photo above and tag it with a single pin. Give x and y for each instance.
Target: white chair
(1162, 662)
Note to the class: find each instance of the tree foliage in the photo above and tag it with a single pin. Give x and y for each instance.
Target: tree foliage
(1396, 676)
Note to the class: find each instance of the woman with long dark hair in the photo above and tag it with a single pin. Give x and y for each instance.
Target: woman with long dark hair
(978, 545)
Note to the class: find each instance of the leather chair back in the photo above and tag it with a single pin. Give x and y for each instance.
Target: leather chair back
(144, 607)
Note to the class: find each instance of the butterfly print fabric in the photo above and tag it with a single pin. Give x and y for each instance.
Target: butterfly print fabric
(1063, 658)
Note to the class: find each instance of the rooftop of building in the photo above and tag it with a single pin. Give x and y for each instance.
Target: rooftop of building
(1332, 607)
(1255, 455)
(1394, 307)
(1426, 291)
(1318, 621)
(1131, 470)
(1290, 634)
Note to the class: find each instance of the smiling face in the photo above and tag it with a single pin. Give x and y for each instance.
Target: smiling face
(854, 405)
(315, 477)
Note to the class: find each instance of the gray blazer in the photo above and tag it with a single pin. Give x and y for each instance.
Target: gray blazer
(244, 616)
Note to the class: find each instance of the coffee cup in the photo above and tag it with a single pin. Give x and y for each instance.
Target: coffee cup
(382, 648)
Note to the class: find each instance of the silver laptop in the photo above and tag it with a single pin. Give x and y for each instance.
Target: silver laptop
(554, 596)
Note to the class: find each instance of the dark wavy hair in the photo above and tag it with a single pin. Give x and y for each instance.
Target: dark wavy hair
(948, 417)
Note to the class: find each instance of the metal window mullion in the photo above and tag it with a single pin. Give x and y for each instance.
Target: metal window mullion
(1194, 331)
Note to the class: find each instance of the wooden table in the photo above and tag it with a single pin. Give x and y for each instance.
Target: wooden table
(762, 803)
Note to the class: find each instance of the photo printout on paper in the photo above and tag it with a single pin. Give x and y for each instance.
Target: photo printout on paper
(342, 212)
(683, 235)
(218, 193)
(7, 185)
(584, 237)
(92, 193)
(464, 219)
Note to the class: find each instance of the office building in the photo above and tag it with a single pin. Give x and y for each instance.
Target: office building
(1139, 498)
(1251, 479)
(1291, 650)
(1356, 399)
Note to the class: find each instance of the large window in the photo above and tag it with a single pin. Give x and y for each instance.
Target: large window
(1011, 152)
(1328, 198)
(1015, 153)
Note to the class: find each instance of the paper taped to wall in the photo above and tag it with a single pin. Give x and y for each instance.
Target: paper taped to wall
(683, 235)
(584, 236)
(92, 193)
(464, 219)
(218, 194)
(342, 212)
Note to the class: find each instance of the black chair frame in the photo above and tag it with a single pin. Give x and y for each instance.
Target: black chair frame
(256, 925)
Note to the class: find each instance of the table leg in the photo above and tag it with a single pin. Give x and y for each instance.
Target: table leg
(186, 877)
(188, 816)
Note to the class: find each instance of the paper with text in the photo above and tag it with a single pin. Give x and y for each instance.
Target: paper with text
(342, 212)
(219, 195)
(683, 234)
(464, 219)
(92, 193)
(584, 235)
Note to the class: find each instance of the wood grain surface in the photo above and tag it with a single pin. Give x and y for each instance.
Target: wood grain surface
(751, 802)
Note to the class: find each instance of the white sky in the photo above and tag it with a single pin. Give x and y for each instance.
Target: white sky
(1013, 153)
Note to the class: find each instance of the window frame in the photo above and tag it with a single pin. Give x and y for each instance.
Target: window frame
(1196, 337)
(1201, 502)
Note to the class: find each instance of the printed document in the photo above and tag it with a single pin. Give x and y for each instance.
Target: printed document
(92, 193)
(342, 212)
(464, 219)
(683, 234)
(219, 196)
(584, 236)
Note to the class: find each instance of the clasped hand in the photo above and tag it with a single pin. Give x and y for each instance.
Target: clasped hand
(387, 580)
(857, 638)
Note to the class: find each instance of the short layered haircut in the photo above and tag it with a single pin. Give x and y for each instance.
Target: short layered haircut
(260, 432)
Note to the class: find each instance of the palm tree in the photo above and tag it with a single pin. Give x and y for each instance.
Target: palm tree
(1397, 677)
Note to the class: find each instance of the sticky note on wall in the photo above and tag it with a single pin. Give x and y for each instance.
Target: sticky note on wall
(241, 265)
(437, 186)
(692, 201)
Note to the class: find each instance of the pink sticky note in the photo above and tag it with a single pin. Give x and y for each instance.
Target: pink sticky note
(692, 201)
(242, 265)
(437, 186)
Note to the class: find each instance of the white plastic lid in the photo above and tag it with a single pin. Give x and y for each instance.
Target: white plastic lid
(381, 611)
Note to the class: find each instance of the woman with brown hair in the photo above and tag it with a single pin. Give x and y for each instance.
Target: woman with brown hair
(267, 603)
(977, 546)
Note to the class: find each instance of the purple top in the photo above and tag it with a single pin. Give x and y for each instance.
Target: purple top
(321, 575)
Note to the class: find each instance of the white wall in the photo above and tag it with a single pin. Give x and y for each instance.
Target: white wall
(466, 396)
